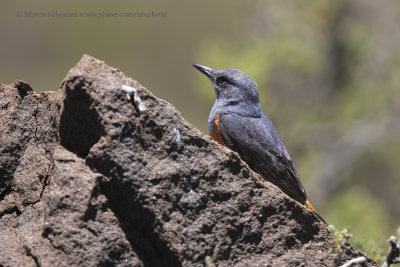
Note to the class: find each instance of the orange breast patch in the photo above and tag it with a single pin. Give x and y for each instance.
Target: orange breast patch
(215, 133)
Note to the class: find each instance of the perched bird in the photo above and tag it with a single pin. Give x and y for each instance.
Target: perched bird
(237, 121)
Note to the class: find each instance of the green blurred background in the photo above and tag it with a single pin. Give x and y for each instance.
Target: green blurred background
(328, 73)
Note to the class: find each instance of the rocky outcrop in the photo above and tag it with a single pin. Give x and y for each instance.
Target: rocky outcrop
(103, 173)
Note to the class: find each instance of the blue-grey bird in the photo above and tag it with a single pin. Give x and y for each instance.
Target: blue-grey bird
(237, 121)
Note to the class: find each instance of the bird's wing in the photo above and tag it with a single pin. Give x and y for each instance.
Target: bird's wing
(259, 145)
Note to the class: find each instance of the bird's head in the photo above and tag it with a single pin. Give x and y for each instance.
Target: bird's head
(231, 86)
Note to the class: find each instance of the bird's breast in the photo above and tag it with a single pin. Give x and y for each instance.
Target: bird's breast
(215, 133)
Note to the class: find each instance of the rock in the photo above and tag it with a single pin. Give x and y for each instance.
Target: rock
(103, 173)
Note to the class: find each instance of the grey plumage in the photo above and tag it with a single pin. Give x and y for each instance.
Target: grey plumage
(244, 128)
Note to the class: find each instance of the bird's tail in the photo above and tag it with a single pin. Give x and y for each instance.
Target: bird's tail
(308, 204)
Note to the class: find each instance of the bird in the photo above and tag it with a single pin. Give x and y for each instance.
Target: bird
(237, 121)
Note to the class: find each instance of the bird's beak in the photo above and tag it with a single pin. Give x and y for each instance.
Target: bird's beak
(205, 70)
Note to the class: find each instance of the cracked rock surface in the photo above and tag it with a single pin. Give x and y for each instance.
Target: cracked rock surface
(103, 173)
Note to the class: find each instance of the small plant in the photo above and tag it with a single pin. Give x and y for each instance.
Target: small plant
(340, 237)
(209, 262)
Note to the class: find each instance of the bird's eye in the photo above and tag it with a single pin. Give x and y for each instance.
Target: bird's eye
(222, 81)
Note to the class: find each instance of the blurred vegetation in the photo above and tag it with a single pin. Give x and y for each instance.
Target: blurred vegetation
(328, 73)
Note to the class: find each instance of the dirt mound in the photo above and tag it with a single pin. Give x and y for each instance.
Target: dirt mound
(91, 175)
